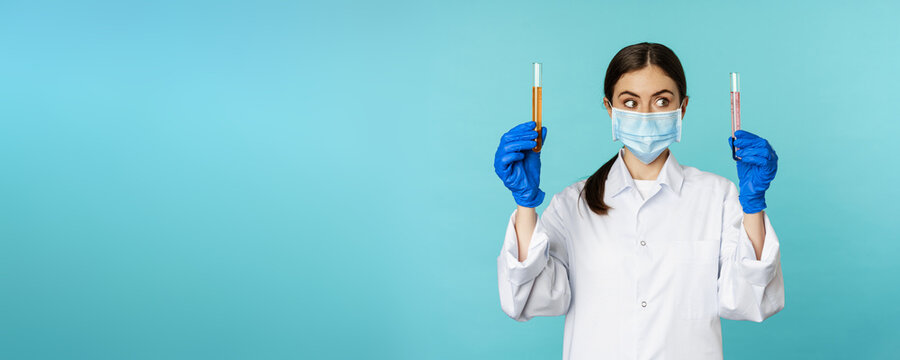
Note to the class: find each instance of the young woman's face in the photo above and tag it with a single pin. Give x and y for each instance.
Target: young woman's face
(645, 90)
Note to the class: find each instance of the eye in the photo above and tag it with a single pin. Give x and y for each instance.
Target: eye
(629, 103)
(662, 102)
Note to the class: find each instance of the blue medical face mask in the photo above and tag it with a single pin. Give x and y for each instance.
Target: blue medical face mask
(646, 135)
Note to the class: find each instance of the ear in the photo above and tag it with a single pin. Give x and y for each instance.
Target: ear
(608, 105)
(684, 106)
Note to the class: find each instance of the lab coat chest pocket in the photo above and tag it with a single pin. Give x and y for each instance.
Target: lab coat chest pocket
(697, 262)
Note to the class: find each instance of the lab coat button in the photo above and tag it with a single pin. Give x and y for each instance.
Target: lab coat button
(643, 303)
(643, 243)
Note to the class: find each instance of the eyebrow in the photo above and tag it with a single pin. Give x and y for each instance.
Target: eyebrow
(636, 95)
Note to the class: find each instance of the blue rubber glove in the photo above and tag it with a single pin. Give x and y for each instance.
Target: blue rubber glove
(756, 168)
(519, 166)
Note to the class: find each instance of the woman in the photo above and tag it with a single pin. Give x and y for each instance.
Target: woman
(646, 255)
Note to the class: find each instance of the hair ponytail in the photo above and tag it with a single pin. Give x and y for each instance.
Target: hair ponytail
(595, 186)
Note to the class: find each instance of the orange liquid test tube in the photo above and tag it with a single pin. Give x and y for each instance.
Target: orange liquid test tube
(536, 105)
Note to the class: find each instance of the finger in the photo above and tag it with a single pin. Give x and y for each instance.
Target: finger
(543, 135)
(755, 160)
(510, 158)
(502, 169)
(520, 135)
(744, 134)
(523, 126)
(760, 152)
(750, 143)
(519, 145)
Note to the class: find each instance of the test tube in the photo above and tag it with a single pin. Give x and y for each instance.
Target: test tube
(735, 102)
(536, 104)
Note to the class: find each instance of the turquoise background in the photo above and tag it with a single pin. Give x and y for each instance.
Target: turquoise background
(274, 179)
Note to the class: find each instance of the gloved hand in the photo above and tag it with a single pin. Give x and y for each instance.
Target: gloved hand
(519, 166)
(756, 169)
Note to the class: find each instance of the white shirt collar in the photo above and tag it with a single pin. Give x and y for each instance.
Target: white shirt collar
(619, 178)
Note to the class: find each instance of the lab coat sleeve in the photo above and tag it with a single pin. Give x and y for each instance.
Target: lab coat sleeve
(749, 289)
(539, 286)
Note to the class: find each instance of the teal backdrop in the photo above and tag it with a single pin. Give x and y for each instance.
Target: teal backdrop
(314, 179)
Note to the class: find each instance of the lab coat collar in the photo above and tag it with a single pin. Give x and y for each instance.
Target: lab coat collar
(671, 175)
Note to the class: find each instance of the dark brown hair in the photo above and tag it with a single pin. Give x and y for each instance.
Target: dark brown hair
(631, 58)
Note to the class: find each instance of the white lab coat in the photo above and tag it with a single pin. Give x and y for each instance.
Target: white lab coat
(651, 279)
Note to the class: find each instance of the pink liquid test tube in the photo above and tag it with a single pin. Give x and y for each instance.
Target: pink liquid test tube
(735, 102)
